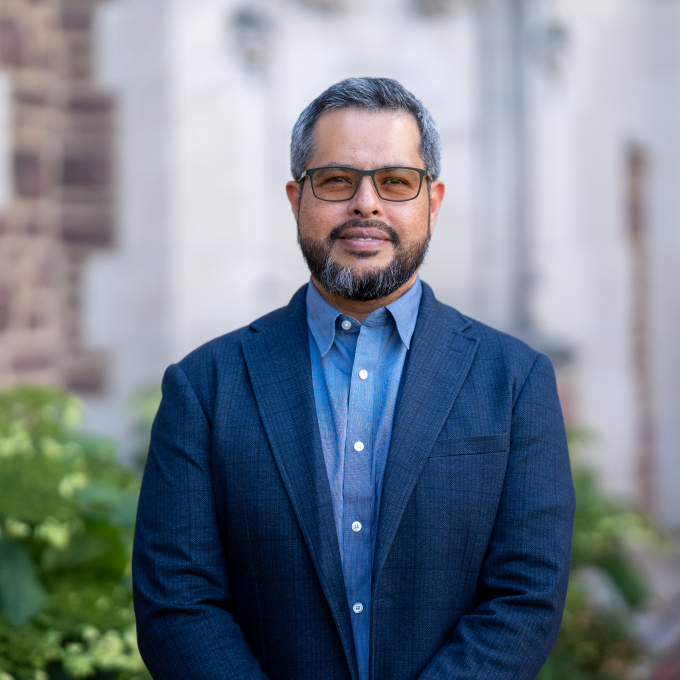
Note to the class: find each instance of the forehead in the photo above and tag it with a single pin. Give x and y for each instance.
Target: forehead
(366, 139)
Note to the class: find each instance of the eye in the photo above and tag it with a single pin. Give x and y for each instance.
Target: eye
(324, 178)
(396, 181)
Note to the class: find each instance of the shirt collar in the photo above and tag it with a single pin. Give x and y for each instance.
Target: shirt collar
(404, 310)
(321, 316)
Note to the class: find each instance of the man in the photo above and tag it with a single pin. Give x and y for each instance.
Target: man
(365, 484)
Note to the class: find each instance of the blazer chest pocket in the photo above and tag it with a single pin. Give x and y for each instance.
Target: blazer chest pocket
(466, 446)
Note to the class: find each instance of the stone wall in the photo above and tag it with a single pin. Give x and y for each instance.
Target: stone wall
(60, 207)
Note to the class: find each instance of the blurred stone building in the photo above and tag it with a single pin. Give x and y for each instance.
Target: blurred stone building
(55, 190)
(560, 121)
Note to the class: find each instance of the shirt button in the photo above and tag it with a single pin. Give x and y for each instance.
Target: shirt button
(346, 324)
(363, 374)
(356, 527)
(357, 608)
(359, 446)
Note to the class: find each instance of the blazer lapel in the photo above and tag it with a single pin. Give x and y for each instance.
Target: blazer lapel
(278, 361)
(440, 359)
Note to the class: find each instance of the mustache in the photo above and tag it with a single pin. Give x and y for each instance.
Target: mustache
(338, 231)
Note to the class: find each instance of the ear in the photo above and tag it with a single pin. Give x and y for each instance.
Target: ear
(293, 192)
(437, 191)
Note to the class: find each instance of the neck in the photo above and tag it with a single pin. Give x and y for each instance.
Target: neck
(360, 309)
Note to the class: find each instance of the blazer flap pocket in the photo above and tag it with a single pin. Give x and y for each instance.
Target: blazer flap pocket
(495, 443)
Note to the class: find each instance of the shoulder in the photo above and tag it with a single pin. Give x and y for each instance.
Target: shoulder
(497, 353)
(220, 351)
(490, 339)
(496, 345)
(221, 359)
(226, 348)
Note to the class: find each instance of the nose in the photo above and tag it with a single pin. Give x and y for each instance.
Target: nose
(366, 202)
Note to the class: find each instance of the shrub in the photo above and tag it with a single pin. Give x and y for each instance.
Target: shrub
(595, 641)
(67, 512)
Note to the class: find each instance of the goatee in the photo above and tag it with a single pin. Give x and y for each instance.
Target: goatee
(373, 284)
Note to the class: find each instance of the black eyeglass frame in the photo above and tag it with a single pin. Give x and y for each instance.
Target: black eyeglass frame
(364, 173)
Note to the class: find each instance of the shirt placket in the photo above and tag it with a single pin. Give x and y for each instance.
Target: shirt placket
(359, 486)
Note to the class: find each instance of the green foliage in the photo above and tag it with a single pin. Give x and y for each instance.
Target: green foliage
(67, 511)
(602, 527)
(21, 593)
(595, 643)
(145, 403)
(591, 644)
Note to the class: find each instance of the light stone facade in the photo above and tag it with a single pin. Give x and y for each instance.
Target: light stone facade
(561, 130)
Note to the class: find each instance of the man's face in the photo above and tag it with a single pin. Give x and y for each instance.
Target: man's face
(365, 239)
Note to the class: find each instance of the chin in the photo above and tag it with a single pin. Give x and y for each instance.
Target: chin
(365, 264)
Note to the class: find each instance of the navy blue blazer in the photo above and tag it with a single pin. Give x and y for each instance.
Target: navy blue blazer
(236, 563)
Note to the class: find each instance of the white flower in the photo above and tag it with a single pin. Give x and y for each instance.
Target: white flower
(16, 444)
(51, 448)
(114, 650)
(72, 413)
(109, 651)
(56, 533)
(16, 529)
(90, 633)
(71, 483)
(78, 664)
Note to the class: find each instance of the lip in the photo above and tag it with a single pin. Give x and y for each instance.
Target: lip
(361, 238)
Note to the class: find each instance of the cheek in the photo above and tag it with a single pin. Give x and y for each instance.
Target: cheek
(319, 218)
(411, 222)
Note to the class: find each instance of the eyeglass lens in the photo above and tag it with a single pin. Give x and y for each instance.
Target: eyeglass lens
(339, 184)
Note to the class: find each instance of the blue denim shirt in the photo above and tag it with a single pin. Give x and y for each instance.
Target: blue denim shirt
(356, 371)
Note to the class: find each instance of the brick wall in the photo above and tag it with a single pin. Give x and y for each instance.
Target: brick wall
(61, 207)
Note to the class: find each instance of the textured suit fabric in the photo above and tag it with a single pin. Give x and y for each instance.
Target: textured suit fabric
(351, 408)
(236, 564)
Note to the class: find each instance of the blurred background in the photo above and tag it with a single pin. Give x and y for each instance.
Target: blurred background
(143, 157)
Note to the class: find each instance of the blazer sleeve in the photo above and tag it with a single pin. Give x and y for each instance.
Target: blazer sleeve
(181, 591)
(523, 580)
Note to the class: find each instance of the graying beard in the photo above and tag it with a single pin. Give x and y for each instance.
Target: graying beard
(372, 285)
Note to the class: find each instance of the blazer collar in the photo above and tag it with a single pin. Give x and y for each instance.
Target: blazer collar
(440, 358)
(279, 366)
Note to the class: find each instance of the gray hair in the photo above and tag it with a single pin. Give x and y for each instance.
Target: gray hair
(374, 94)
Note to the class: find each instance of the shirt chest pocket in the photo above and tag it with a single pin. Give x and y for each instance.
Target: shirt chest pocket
(466, 446)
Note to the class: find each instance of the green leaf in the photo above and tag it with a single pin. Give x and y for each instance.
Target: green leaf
(21, 593)
(82, 550)
(105, 501)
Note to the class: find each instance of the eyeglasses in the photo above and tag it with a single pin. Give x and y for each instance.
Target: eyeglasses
(341, 183)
